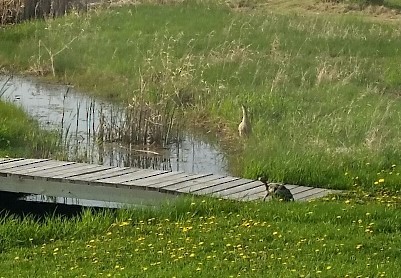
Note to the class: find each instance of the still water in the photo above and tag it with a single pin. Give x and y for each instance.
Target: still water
(76, 116)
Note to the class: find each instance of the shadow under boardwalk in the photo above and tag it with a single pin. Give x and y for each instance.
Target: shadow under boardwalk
(126, 185)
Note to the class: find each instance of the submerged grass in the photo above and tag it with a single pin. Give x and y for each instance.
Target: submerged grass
(323, 91)
(209, 237)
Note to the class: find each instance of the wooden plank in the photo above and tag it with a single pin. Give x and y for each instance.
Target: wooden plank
(199, 186)
(317, 195)
(237, 189)
(44, 173)
(243, 195)
(108, 173)
(131, 176)
(300, 189)
(189, 183)
(47, 164)
(240, 183)
(307, 193)
(84, 169)
(63, 171)
(152, 180)
(5, 166)
(184, 177)
(8, 160)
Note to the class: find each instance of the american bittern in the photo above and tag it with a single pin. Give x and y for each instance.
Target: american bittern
(244, 128)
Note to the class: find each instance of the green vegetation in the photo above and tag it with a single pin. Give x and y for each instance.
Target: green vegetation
(208, 237)
(323, 91)
(21, 136)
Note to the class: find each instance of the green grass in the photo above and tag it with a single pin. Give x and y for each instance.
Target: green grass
(22, 136)
(323, 91)
(205, 237)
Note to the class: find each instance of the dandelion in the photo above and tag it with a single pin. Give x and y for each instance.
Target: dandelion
(381, 180)
(125, 223)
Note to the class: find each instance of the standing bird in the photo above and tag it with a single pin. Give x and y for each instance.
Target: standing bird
(244, 128)
(277, 191)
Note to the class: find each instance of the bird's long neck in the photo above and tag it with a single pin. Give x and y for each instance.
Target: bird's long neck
(244, 115)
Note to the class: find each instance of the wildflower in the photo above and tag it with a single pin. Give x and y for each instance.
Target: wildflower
(125, 223)
(381, 180)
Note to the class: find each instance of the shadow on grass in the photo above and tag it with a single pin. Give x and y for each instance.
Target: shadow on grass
(11, 205)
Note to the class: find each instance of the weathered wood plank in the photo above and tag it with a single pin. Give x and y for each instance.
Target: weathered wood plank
(130, 177)
(43, 165)
(317, 195)
(200, 180)
(8, 160)
(17, 163)
(199, 186)
(184, 177)
(299, 189)
(240, 184)
(243, 195)
(85, 169)
(306, 193)
(152, 180)
(237, 189)
(44, 173)
(108, 173)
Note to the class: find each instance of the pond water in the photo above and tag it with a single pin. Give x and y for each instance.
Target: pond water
(77, 116)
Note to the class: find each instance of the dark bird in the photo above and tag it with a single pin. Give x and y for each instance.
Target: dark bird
(276, 190)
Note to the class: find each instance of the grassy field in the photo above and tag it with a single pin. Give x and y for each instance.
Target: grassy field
(21, 136)
(204, 238)
(323, 90)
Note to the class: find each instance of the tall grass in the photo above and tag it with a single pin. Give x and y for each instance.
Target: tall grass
(22, 136)
(322, 91)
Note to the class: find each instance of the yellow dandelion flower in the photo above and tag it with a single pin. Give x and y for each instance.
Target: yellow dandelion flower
(125, 223)
(381, 180)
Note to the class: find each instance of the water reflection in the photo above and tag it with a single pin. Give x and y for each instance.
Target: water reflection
(78, 116)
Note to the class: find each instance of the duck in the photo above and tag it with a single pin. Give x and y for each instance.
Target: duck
(276, 190)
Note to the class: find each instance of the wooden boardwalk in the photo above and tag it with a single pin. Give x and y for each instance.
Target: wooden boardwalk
(127, 185)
